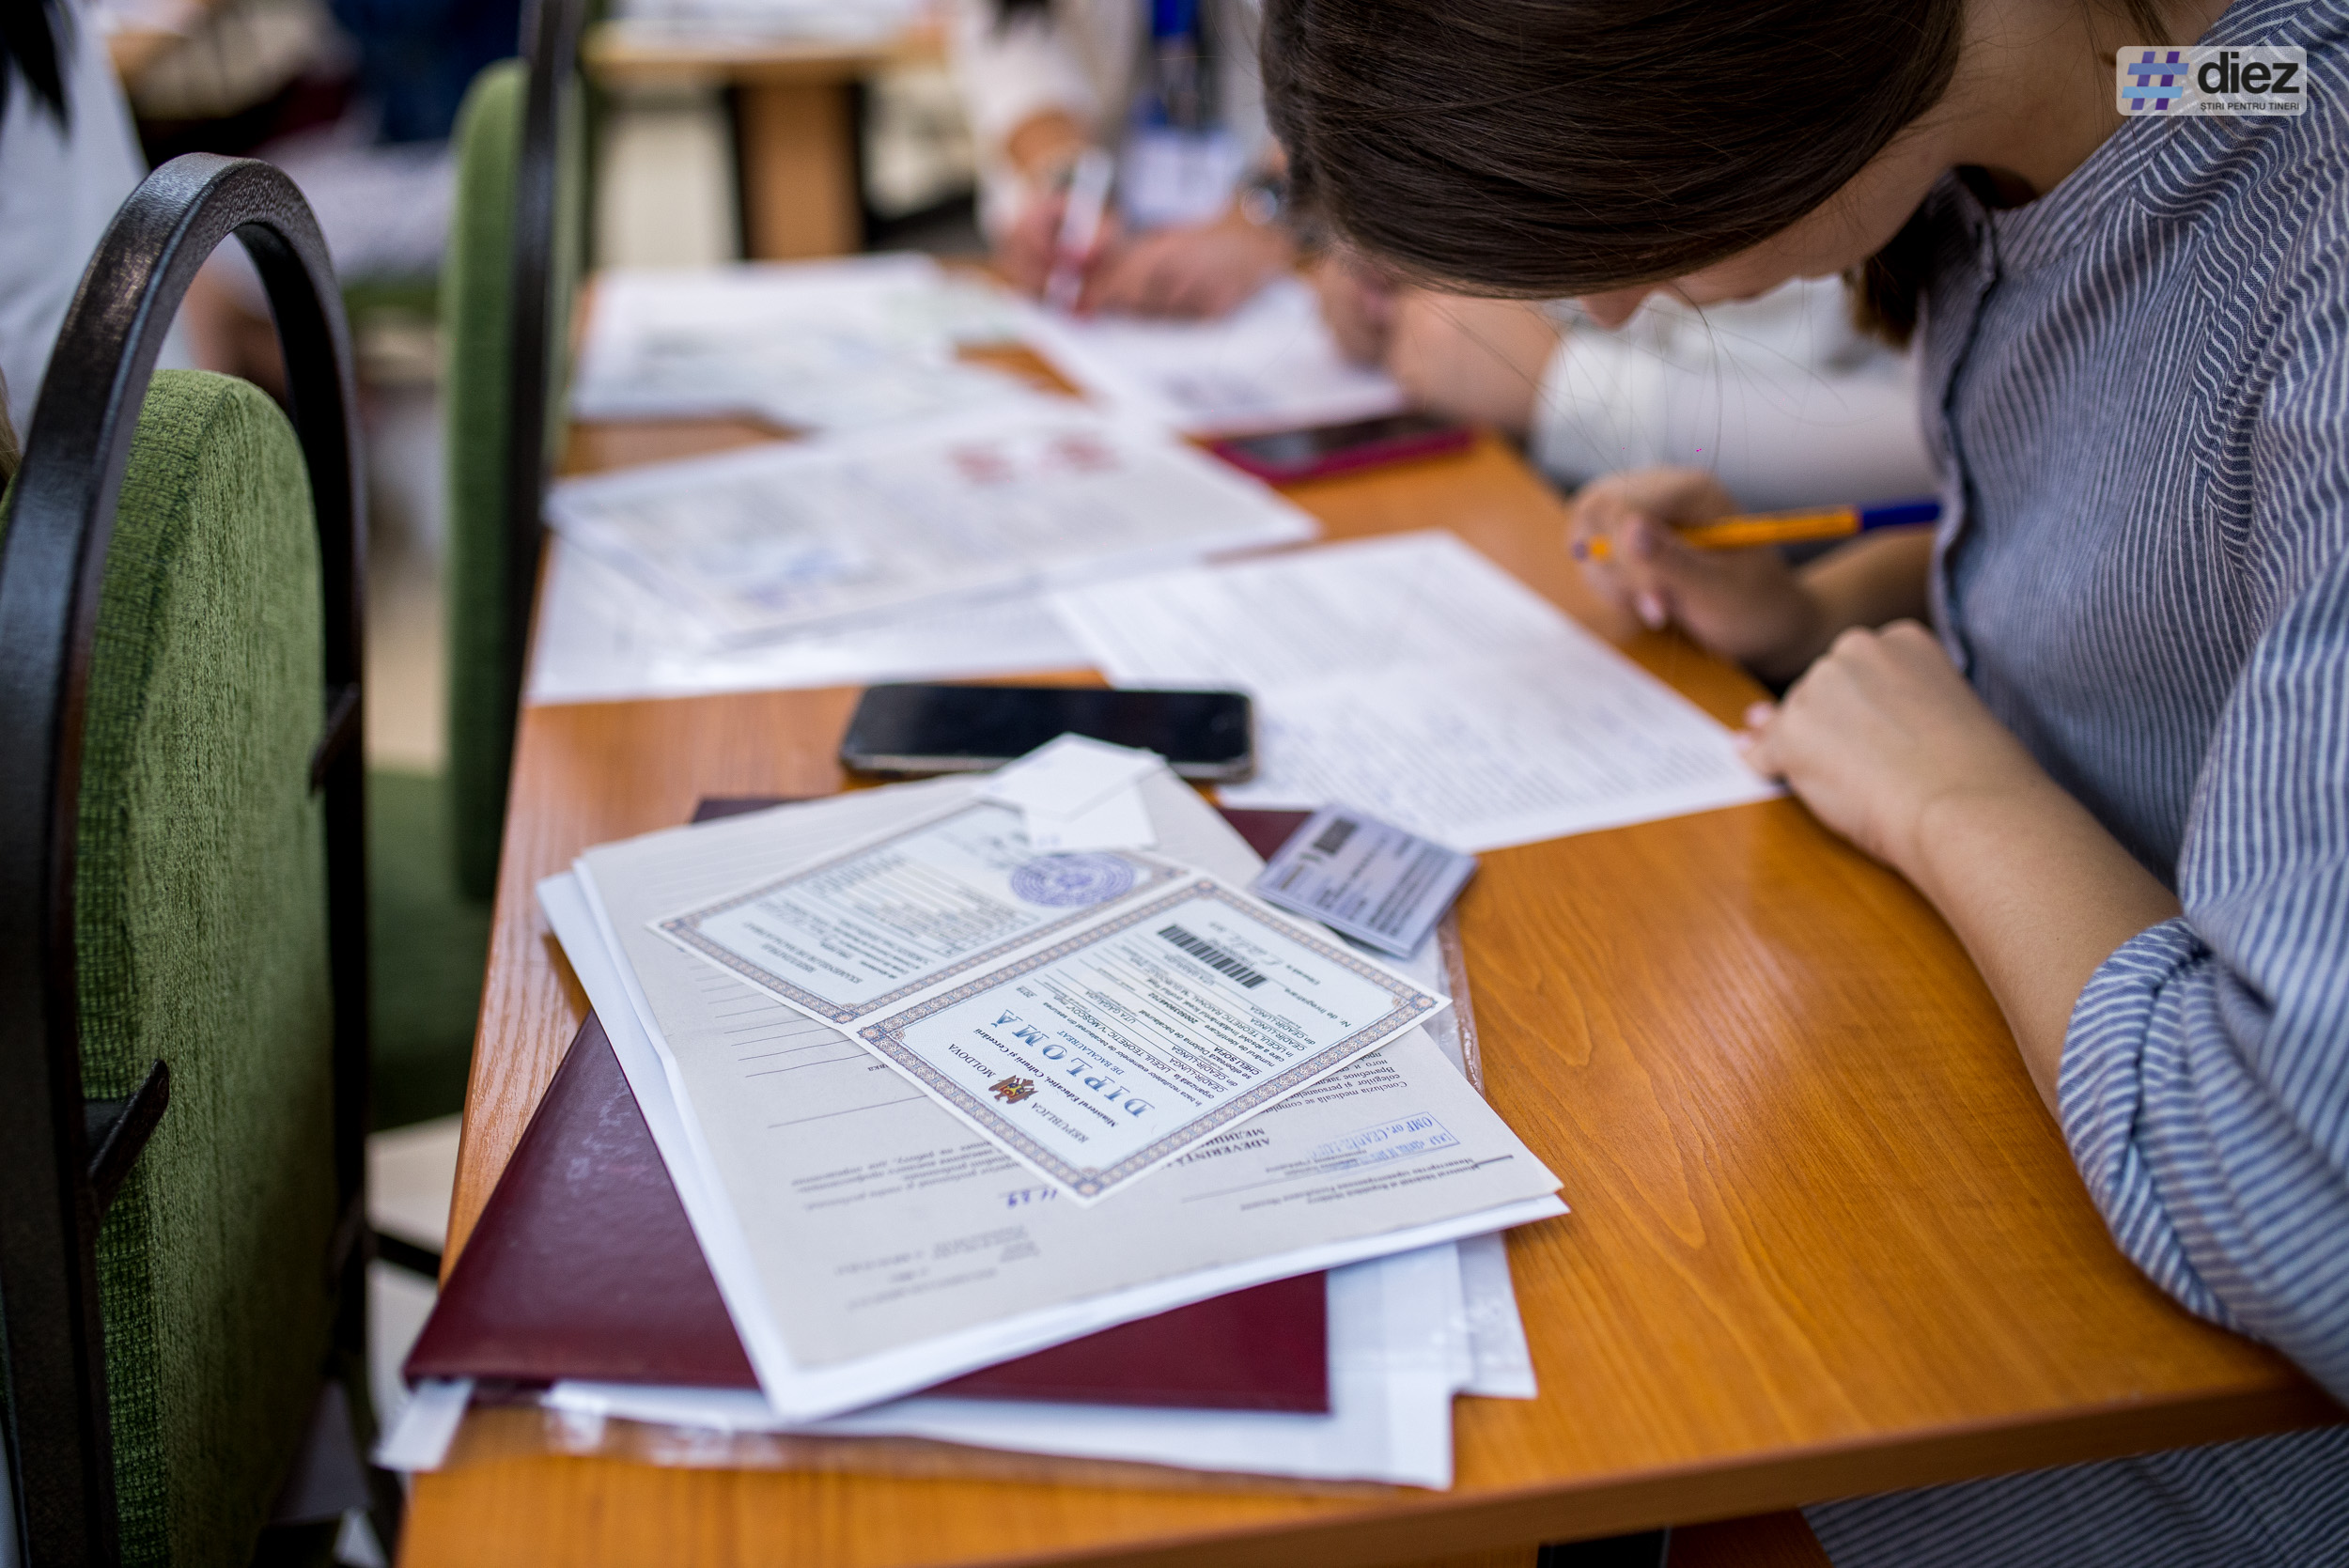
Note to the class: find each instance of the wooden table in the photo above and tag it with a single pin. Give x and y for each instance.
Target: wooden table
(1825, 1241)
(795, 119)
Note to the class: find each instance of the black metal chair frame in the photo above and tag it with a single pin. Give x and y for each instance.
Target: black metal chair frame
(63, 1157)
(551, 34)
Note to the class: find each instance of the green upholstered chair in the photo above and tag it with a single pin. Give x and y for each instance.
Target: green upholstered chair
(505, 306)
(184, 1049)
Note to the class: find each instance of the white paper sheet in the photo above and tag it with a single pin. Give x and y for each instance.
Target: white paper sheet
(1502, 1361)
(821, 346)
(813, 1387)
(1068, 776)
(1269, 365)
(1394, 1363)
(603, 638)
(1118, 821)
(1079, 794)
(1411, 677)
(773, 539)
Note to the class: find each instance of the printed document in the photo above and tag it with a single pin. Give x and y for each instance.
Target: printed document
(1095, 1013)
(1396, 1331)
(868, 1244)
(822, 346)
(603, 637)
(1269, 365)
(779, 539)
(1414, 679)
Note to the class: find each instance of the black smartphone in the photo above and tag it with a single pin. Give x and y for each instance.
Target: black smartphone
(1285, 457)
(921, 728)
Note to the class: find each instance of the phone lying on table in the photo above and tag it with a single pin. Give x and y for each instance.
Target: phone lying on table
(1285, 457)
(924, 728)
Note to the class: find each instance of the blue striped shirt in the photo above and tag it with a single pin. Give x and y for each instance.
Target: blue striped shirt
(2137, 390)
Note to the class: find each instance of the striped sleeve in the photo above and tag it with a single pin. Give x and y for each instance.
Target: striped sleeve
(2205, 1078)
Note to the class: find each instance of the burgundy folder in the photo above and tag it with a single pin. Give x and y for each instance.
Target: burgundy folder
(583, 1265)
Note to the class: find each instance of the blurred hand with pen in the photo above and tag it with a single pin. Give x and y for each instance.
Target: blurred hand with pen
(1196, 271)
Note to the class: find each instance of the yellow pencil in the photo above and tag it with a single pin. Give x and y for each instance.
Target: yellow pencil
(1778, 528)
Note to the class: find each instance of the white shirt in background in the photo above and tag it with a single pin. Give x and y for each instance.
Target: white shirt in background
(1783, 397)
(58, 191)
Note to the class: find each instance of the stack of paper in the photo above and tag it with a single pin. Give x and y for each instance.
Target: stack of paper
(1269, 365)
(791, 537)
(817, 345)
(897, 559)
(1413, 678)
(932, 1099)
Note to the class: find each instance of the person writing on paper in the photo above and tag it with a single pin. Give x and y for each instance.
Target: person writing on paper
(2102, 718)
(1783, 398)
(1169, 88)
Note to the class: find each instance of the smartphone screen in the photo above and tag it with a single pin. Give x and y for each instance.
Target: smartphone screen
(1334, 449)
(940, 729)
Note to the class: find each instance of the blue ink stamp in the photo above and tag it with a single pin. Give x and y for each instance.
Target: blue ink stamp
(1071, 881)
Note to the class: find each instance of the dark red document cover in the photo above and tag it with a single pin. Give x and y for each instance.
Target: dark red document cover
(583, 1265)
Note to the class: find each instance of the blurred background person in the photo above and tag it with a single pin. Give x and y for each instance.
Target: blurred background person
(354, 101)
(1783, 397)
(1170, 87)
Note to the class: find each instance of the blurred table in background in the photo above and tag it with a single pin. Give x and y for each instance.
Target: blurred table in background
(795, 116)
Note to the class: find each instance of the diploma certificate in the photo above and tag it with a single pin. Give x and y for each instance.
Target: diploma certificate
(1099, 1056)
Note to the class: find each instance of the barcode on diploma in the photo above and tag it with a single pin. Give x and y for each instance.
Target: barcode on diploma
(1333, 837)
(1212, 955)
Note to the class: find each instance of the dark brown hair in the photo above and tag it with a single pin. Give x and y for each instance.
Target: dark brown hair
(1550, 147)
(32, 37)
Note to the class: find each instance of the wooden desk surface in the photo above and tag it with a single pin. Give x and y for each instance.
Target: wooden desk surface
(1824, 1241)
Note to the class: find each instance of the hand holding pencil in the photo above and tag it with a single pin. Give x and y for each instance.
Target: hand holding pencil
(1809, 525)
(1669, 546)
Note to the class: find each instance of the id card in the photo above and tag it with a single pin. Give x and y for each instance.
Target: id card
(1378, 884)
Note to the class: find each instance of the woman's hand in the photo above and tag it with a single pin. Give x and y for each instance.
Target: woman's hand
(1043, 147)
(1477, 361)
(1887, 745)
(1027, 250)
(1743, 604)
(1879, 733)
(1192, 273)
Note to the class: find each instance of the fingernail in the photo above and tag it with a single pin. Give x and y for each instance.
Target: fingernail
(1652, 611)
(1758, 715)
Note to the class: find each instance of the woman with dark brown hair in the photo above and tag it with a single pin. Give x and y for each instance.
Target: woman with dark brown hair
(2118, 760)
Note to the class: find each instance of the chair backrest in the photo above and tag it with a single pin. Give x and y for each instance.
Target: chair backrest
(182, 905)
(505, 306)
